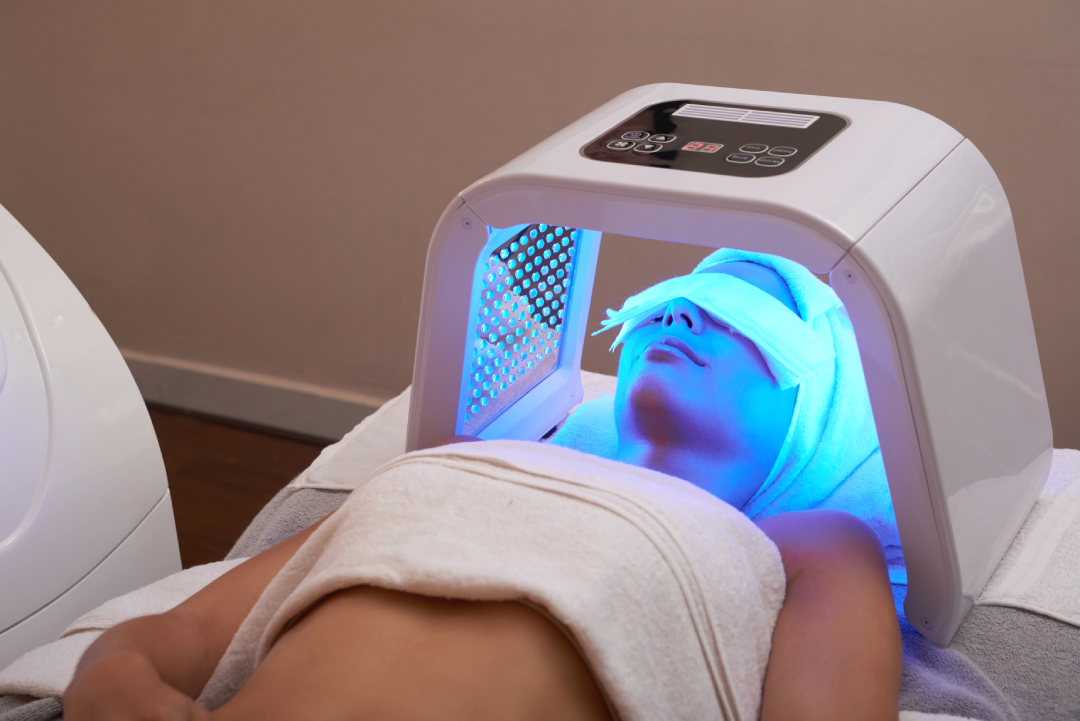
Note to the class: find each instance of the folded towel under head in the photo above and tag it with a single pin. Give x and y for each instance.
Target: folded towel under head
(830, 457)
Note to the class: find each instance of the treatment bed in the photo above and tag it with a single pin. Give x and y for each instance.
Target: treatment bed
(1015, 657)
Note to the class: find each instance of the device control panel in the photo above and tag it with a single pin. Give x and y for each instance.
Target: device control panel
(705, 137)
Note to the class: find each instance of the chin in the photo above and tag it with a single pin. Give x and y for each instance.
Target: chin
(650, 403)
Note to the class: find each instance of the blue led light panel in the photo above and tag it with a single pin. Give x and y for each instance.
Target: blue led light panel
(524, 290)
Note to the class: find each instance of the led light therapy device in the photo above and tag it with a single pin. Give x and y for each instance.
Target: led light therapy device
(903, 213)
(85, 512)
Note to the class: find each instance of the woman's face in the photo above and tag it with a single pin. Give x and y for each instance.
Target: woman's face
(688, 384)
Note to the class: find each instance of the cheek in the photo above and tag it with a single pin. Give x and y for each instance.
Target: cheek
(746, 393)
(749, 360)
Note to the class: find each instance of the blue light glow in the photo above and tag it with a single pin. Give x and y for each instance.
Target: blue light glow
(536, 256)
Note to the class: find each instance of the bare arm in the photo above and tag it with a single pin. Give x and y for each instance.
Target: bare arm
(153, 667)
(836, 650)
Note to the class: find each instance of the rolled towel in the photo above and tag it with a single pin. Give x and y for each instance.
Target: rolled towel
(1041, 570)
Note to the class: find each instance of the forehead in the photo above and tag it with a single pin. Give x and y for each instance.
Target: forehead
(764, 278)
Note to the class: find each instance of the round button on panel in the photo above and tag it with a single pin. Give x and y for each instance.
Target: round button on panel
(661, 138)
(648, 147)
(783, 151)
(769, 162)
(753, 148)
(740, 158)
(636, 135)
(620, 145)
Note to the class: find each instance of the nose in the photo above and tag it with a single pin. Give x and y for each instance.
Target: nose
(683, 311)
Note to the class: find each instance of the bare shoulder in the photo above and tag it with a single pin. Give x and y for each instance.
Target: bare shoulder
(822, 536)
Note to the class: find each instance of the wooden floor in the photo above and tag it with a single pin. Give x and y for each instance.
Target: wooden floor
(220, 476)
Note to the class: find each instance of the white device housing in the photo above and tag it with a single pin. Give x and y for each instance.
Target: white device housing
(916, 234)
(85, 513)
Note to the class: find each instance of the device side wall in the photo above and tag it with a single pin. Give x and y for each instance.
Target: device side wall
(946, 264)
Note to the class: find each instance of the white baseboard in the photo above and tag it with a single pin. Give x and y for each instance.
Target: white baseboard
(261, 400)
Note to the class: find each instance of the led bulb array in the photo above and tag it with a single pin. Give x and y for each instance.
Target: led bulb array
(524, 293)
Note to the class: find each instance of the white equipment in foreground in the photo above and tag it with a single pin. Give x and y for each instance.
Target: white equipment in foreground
(85, 513)
(905, 215)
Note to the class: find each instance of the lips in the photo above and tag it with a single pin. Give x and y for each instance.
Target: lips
(679, 346)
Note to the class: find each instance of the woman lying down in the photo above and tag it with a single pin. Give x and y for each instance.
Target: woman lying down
(512, 580)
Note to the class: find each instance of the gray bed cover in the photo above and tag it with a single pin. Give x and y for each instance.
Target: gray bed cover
(1003, 664)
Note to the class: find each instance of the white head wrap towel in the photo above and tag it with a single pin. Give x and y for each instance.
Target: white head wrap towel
(830, 457)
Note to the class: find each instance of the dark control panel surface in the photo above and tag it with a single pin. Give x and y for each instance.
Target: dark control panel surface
(719, 138)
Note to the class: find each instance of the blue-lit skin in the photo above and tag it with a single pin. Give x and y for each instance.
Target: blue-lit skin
(695, 401)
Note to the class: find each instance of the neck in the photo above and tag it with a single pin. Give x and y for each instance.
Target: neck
(719, 474)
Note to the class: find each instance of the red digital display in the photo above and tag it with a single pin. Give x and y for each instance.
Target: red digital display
(698, 147)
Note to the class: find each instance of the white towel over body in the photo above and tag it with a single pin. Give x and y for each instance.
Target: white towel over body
(669, 594)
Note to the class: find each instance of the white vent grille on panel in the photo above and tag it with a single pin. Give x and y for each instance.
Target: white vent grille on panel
(742, 115)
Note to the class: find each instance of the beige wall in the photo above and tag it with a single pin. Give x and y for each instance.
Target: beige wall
(252, 184)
